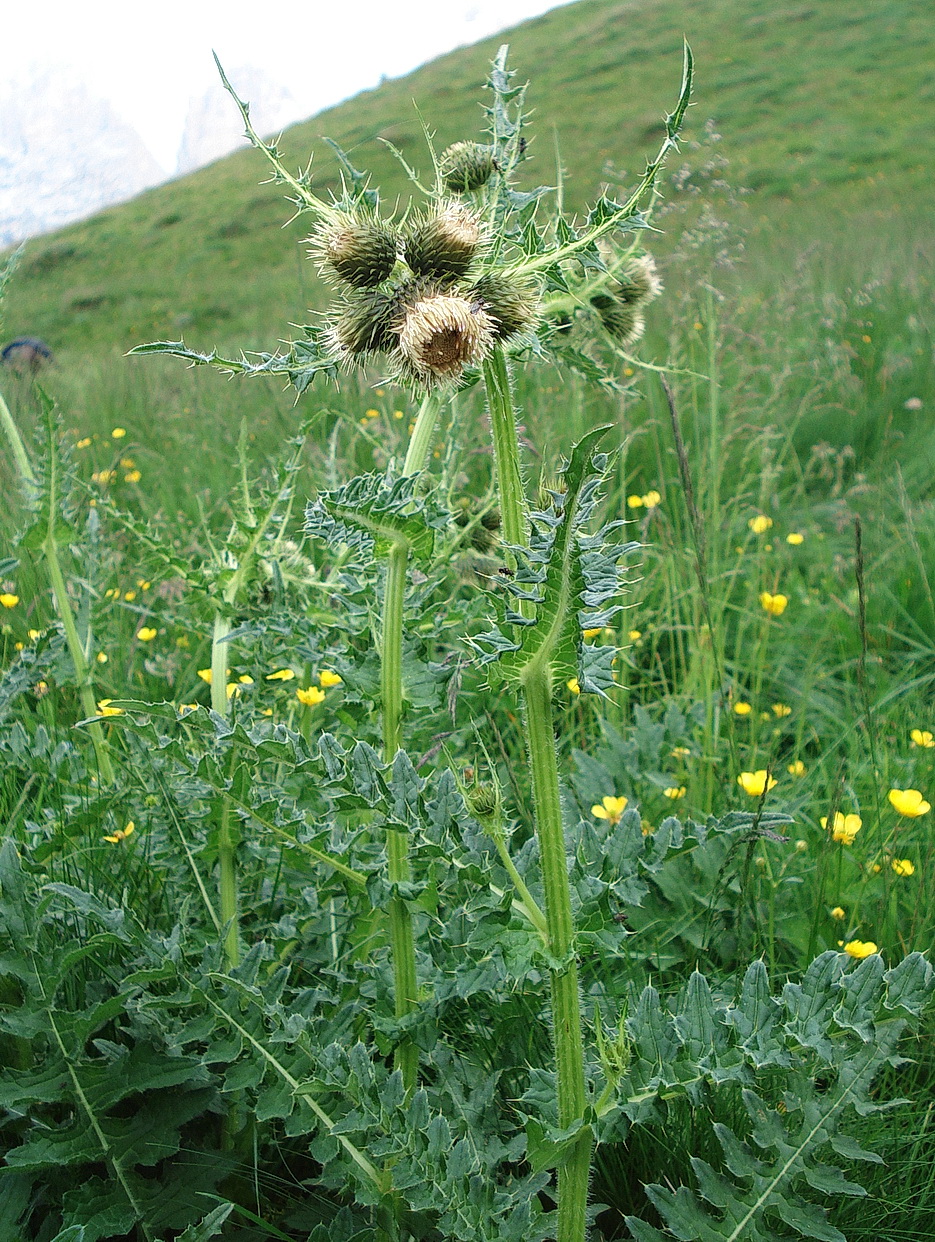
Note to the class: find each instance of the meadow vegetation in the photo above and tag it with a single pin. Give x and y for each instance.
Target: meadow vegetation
(283, 931)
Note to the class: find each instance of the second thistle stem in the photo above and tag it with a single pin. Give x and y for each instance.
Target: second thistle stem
(574, 1173)
(402, 938)
(227, 851)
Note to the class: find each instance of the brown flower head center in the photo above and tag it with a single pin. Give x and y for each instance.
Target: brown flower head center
(441, 335)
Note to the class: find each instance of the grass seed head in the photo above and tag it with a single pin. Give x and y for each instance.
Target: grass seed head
(466, 166)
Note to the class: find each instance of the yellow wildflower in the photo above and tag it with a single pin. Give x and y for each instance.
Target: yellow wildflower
(795, 539)
(118, 433)
(909, 802)
(755, 783)
(572, 684)
(233, 688)
(674, 792)
(83, 443)
(18, 646)
(34, 634)
(796, 768)
(205, 675)
(775, 605)
(844, 828)
(371, 414)
(742, 708)
(104, 708)
(281, 674)
(328, 678)
(101, 657)
(652, 499)
(837, 912)
(146, 633)
(781, 709)
(185, 709)
(129, 596)
(635, 635)
(8, 600)
(133, 476)
(42, 687)
(103, 477)
(143, 584)
(127, 463)
(634, 502)
(903, 866)
(266, 711)
(923, 738)
(121, 834)
(311, 696)
(610, 808)
(681, 752)
(398, 414)
(245, 679)
(760, 523)
(860, 948)
(589, 634)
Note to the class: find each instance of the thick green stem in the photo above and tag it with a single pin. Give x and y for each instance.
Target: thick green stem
(24, 468)
(229, 904)
(574, 1173)
(402, 938)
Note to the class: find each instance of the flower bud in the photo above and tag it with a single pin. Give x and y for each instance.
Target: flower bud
(444, 244)
(483, 802)
(511, 304)
(466, 166)
(361, 252)
(365, 325)
(442, 333)
(622, 321)
(637, 282)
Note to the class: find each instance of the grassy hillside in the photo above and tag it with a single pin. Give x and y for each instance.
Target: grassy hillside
(825, 110)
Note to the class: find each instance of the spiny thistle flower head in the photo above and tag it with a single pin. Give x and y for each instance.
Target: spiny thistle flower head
(359, 250)
(444, 243)
(621, 320)
(441, 334)
(637, 282)
(512, 304)
(364, 325)
(466, 166)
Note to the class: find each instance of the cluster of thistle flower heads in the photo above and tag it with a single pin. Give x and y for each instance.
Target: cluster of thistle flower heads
(419, 293)
(620, 305)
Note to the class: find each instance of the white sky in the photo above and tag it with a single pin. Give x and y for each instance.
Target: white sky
(149, 59)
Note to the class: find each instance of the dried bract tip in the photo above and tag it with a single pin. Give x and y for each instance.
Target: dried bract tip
(466, 166)
(444, 244)
(360, 252)
(512, 304)
(623, 321)
(441, 334)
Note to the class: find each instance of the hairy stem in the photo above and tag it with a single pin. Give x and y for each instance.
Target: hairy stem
(402, 938)
(574, 1173)
(27, 477)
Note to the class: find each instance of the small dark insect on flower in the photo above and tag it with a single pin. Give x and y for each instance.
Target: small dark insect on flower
(505, 572)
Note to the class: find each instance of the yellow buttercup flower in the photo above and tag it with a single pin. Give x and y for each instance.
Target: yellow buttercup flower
(909, 802)
(146, 634)
(775, 605)
(572, 684)
(681, 752)
(121, 834)
(205, 675)
(610, 808)
(129, 596)
(781, 709)
(589, 634)
(860, 948)
(101, 657)
(756, 783)
(185, 709)
(838, 912)
(83, 443)
(281, 674)
(760, 523)
(8, 600)
(133, 476)
(34, 634)
(796, 768)
(328, 678)
(903, 866)
(245, 679)
(635, 635)
(118, 433)
(923, 738)
(651, 499)
(233, 688)
(795, 538)
(104, 708)
(845, 827)
(311, 696)
(634, 502)
(742, 709)
(674, 792)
